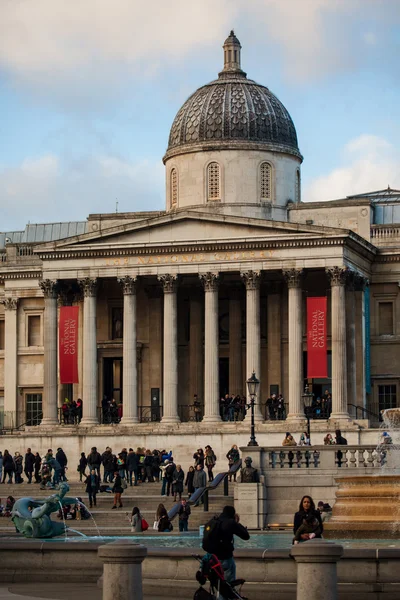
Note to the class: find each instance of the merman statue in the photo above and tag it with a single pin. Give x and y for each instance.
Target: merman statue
(32, 517)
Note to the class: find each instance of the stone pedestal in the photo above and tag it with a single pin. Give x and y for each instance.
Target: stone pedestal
(251, 504)
(122, 570)
(317, 569)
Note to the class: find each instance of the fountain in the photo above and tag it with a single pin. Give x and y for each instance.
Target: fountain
(368, 506)
(32, 517)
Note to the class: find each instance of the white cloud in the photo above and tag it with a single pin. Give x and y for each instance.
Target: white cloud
(86, 44)
(47, 188)
(369, 163)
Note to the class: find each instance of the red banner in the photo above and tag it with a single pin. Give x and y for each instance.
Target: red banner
(317, 356)
(68, 344)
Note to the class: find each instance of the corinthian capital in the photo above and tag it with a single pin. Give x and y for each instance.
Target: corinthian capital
(49, 288)
(10, 303)
(169, 282)
(251, 279)
(88, 286)
(209, 281)
(337, 275)
(128, 284)
(293, 277)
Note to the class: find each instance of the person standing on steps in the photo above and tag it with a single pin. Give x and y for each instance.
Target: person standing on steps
(92, 482)
(29, 464)
(189, 481)
(177, 482)
(199, 481)
(94, 460)
(118, 490)
(63, 461)
(38, 465)
(82, 466)
(183, 515)
(210, 460)
(132, 464)
(233, 456)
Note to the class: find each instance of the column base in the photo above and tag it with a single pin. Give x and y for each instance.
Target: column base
(258, 418)
(167, 420)
(129, 421)
(213, 419)
(296, 418)
(89, 422)
(344, 416)
(49, 422)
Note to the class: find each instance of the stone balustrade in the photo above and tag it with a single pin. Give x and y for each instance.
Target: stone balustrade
(383, 235)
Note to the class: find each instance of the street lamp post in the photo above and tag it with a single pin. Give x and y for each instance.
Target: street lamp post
(307, 403)
(252, 386)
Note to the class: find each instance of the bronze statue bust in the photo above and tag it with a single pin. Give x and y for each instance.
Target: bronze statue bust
(248, 474)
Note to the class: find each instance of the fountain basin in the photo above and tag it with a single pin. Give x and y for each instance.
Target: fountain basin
(366, 507)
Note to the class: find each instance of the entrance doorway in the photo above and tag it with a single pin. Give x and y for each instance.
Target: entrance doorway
(223, 377)
(112, 379)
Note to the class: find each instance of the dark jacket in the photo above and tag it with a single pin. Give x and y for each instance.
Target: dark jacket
(228, 528)
(62, 458)
(38, 461)
(117, 487)
(82, 463)
(184, 513)
(8, 463)
(18, 464)
(299, 516)
(189, 481)
(177, 481)
(164, 524)
(132, 461)
(29, 462)
(200, 479)
(94, 459)
(109, 461)
(89, 486)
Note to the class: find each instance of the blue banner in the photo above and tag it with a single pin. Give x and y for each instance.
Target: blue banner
(367, 350)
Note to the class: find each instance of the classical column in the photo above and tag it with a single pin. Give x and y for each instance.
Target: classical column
(211, 350)
(295, 343)
(50, 367)
(274, 337)
(253, 341)
(10, 361)
(130, 395)
(89, 289)
(196, 369)
(338, 277)
(170, 391)
(235, 343)
(351, 339)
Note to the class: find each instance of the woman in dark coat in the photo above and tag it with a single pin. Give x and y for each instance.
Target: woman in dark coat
(233, 456)
(189, 481)
(38, 464)
(117, 489)
(199, 458)
(306, 508)
(18, 467)
(92, 483)
(8, 466)
(178, 478)
(164, 524)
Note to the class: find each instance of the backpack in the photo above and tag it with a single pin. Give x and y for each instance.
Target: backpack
(212, 535)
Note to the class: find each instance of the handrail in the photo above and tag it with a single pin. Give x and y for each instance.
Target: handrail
(365, 411)
(194, 498)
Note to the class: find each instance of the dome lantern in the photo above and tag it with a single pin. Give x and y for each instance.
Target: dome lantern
(232, 50)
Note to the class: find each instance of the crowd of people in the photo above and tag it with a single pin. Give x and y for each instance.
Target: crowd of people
(304, 439)
(72, 411)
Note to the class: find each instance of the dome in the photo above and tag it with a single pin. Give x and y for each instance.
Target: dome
(232, 112)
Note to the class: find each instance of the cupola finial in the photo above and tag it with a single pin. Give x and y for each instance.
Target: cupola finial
(232, 50)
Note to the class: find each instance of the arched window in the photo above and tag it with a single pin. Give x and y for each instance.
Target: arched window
(297, 189)
(174, 188)
(213, 182)
(265, 181)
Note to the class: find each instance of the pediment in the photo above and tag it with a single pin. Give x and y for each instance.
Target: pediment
(190, 227)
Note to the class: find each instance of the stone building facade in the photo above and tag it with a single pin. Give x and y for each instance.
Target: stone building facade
(193, 299)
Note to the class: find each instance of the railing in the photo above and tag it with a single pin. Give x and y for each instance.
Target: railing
(385, 233)
(204, 491)
(25, 250)
(3, 257)
(279, 414)
(364, 412)
(319, 457)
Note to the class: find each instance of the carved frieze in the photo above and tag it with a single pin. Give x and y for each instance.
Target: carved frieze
(209, 281)
(251, 279)
(169, 282)
(88, 286)
(293, 277)
(128, 284)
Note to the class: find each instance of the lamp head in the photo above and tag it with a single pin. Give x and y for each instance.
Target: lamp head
(252, 385)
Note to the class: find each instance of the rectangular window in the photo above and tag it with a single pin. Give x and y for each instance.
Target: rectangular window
(33, 409)
(34, 338)
(387, 396)
(385, 310)
(2, 334)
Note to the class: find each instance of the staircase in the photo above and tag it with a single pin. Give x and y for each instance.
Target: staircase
(146, 496)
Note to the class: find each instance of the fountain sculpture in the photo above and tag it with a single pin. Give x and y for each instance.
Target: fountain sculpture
(368, 506)
(32, 517)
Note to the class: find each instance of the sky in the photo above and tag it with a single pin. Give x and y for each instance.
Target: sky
(89, 90)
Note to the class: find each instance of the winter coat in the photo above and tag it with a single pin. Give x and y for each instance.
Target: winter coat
(184, 513)
(62, 458)
(89, 486)
(210, 459)
(177, 481)
(199, 479)
(299, 516)
(117, 487)
(189, 481)
(82, 463)
(94, 459)
(132, 461)
(29, 462)
(233, 456)
(109, 461)
(38, 461)
(8, 463)
(198, 459)
(18, 464)
(136, 523)
(54, 464)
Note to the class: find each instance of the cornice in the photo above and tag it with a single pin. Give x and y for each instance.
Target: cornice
(21, 275)
(221, 145)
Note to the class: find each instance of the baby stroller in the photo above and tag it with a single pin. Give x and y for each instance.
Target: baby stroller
(211, 570)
